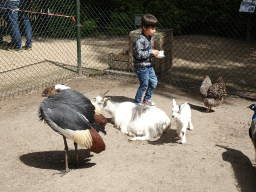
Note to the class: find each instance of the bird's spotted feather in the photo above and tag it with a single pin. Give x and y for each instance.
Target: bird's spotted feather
(213, 94)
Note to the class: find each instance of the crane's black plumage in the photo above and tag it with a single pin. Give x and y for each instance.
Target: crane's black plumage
(77, 101)
(71, 114)
(98, 121)
(63, 116)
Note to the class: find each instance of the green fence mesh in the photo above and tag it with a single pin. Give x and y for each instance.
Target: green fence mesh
(195, 44)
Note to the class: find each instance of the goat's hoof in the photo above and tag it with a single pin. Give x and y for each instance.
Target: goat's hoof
(130, 139)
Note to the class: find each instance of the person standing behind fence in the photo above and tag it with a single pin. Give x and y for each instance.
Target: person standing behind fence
(11, 18)
(24, 5)
(143, 49)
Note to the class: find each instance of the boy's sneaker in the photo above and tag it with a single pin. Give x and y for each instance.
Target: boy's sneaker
(149, 102)
(139, 104)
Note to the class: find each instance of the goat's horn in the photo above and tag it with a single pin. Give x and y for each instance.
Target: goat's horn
(103, 94)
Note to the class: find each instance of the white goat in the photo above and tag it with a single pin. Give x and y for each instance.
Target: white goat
(182, 113)
(141, 122)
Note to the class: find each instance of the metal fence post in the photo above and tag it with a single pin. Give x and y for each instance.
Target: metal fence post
(78, 36)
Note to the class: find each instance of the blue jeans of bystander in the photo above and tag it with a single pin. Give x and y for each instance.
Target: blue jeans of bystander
(26, 22)
(148, 83)
(11, 17)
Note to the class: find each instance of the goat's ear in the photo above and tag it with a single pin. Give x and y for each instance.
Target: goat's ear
(174, 102)
(105, 99)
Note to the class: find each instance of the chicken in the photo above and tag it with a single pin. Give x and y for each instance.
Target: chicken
(70, 114)
(213, 94)
(98, 117)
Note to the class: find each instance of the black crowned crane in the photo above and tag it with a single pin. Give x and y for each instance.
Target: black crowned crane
(71, 114)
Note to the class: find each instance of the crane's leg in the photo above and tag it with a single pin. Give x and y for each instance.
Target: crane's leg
(77, 158)
(66, 154)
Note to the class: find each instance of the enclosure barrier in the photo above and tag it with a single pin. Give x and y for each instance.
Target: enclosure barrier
(217, 42)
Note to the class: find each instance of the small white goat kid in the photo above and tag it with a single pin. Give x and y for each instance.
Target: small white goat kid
(182, 113)
(141, 122)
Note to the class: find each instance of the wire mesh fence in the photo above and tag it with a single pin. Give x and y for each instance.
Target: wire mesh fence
(213, 43)
(53, 55)
(209, 43)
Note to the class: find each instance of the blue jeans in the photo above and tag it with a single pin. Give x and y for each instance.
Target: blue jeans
(148, 83)
(11, 18)
(26, 22)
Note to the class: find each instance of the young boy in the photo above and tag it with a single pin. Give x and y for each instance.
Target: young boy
(143, 50)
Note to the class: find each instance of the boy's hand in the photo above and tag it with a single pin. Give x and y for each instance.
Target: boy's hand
(155, 52)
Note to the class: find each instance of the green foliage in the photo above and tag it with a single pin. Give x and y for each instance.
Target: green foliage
(89, 27)
(191, 16)
(52, 26)
(116, 17)
(61, 27)
(120, 24)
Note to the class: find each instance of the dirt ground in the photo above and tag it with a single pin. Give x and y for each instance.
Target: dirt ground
(218, 155)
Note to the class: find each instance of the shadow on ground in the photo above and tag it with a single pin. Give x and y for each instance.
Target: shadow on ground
(120, 98)
(169, 136)
(244, 171)
(199, 108)
(56, 159)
